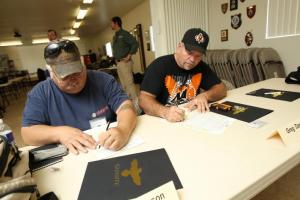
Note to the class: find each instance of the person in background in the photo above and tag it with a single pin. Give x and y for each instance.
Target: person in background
(93, 56)
(124, 45)
(177, 78)
(11, 66)
(59, 109)
(52, 35)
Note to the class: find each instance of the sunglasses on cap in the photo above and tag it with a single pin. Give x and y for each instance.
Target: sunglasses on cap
(54, 49)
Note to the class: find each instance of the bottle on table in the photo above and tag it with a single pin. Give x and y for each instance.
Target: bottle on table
(6, 131)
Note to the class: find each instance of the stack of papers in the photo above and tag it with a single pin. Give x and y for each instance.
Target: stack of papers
(105, 153)
(208, 122)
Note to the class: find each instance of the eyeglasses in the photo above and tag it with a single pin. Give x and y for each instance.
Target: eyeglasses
(54, 49)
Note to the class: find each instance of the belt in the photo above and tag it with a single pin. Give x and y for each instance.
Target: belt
(119, 60)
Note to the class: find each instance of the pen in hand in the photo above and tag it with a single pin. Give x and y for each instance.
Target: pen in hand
(107, 127)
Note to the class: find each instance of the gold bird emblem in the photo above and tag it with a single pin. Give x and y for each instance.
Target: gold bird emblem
(134, 172)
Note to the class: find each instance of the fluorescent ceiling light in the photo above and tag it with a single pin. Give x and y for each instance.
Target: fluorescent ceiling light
(40, 41)
(71, 38)
(88, 1)
(72, 31)
(82, 13)
(10, 43)
(76, 24)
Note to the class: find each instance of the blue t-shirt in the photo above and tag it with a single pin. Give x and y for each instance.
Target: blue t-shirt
(100, 98)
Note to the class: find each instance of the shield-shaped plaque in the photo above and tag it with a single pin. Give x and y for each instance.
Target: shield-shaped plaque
(224, 7)
(236, 21)
(233, 4)
(248, 38)
(251, 11)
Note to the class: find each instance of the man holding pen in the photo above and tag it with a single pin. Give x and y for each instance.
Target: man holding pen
(75, 99)
(177, 78)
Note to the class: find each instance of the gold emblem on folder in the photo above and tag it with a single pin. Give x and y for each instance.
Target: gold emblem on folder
(275, 94)
(134, 172)
(238, 109)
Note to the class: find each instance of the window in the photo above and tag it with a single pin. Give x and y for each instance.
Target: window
(283, 18)
(151, 38)
(108, 49)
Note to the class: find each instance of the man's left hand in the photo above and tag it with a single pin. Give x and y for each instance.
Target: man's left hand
(200, 102)
(113, 139)
(127, 58)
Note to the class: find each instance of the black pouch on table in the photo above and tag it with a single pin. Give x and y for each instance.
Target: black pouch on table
(46, 155)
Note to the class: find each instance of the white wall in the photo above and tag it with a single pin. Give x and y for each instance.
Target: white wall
(288, 47)
(32, 57)
(26, 57)
(138, 15)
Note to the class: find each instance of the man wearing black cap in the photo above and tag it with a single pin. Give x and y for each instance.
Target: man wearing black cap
(73, 100)
(176, 79)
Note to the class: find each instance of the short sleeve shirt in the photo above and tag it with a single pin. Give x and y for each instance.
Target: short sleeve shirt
(174, 85)
(100, 98)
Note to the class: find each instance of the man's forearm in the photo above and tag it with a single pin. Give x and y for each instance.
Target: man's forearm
(216, 93)
(126, 117)
(39, 134)
(151, 106)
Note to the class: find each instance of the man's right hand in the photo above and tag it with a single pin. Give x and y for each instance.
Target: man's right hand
(75, 140)
(174, 114)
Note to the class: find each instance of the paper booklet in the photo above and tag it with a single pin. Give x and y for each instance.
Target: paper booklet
(127, 177)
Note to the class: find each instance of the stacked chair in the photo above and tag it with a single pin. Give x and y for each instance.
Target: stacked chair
(271, 63)
(245, 66)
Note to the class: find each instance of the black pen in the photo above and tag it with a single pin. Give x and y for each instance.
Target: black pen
(107, 127)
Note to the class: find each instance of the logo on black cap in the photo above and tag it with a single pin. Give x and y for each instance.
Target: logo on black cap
(195, 39)
(199, 38)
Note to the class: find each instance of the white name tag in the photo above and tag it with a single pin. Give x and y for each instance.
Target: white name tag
(165, 192)
(290, 133)
(97, 122)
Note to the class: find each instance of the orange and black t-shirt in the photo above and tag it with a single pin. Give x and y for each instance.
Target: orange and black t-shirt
(174, 85)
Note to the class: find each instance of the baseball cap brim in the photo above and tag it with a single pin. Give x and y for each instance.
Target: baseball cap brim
(63, 70)
(194, 48)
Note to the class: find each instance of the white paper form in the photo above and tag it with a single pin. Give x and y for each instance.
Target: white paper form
(209, 122)
(105, 153)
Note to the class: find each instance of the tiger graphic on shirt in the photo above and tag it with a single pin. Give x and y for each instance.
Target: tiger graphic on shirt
(181, 89)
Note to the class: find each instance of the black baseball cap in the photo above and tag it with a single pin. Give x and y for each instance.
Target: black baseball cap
(195, 39)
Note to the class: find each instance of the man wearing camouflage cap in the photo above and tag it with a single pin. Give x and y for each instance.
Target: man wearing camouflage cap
(59, 109)
(177, 78)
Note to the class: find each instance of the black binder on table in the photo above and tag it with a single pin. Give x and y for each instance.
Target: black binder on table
(46, 155)
(127, 177)
(276, 94)
(242, 112)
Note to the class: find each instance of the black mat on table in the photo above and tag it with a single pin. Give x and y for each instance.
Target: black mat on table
(276, 94)
(243, 112)
(113, 178)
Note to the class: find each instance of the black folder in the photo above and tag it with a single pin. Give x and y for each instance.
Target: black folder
(128, 176)
(243, 112)
(271, 94)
